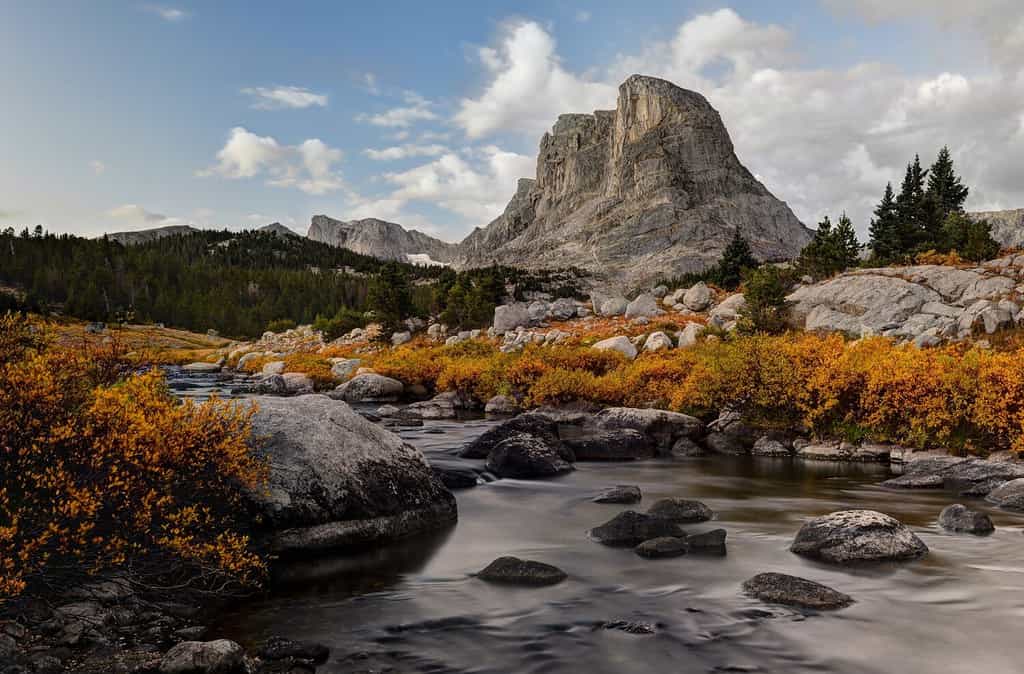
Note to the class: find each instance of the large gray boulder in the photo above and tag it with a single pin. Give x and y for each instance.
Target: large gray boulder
(850, 536)
(204, 657)
(612, 306)
(969, 477)
(645, 306)
(508, 317)
(338, 480)
(622, 344)
(698, 297)
(662, 426)
(369, 387)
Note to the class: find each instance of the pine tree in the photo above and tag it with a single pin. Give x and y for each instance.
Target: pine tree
(389, 298)
(845, 241)
(910, 207)
(945, 186)
(736, 257)
(884, 231)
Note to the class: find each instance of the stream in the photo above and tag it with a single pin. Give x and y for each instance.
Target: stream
(415, 606)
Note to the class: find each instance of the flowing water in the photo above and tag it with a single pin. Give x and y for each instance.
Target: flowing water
(415, 606)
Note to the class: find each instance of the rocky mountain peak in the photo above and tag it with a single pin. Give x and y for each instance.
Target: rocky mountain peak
(381, 239)
(652, 188)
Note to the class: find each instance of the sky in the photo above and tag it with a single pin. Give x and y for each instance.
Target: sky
(128, 115)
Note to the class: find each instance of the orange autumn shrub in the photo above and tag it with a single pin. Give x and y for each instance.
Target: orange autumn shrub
(997, 408)
(103, 468)
(316, 367)
(410, 364)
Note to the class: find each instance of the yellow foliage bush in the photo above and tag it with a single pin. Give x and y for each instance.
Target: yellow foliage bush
(101, 467)
(315, 366)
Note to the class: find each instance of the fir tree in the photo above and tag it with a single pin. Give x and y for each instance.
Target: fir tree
(910, 206)
(884, 230)
(389, 298)
(945, 186)
(736, 257)
(847, 246)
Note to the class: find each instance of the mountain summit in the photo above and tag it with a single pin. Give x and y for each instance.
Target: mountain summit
(650, 189)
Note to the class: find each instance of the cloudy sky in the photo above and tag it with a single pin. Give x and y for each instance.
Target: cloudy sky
(127, 115)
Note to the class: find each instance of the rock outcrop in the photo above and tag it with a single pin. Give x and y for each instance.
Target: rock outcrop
(380, 239)
(338, 480)
(927, 304)
(779, 588)
(651, 188)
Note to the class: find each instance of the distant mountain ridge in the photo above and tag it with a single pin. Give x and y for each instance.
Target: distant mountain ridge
(142, 236)
(146, 235)
(382, 239)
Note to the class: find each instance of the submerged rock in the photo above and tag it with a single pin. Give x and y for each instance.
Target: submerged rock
(337, 479)
(779, 588)
(857, 536)
(526, 456)
(630, 528)
(515, 571)
(708, 542)
(281, 648)
(629, 626)
(958, 517)
(619, 444)
(681, 510)
(530, 423)
(662, 547)
(622, 493)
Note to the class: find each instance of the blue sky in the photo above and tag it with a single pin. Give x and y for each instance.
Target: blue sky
(126, 115)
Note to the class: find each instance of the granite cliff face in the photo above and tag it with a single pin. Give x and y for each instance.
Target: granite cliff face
(384, 240)
(652, 188)
(1007, 226)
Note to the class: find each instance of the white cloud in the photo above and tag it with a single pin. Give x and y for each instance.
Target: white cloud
(404, 152)
(170, 14)
(416, 109)
(308, 166)
(276, 98)
(477, 188)
(529, 87)
(97, 166)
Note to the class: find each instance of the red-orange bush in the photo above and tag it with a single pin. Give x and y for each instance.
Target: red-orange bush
(100, 469)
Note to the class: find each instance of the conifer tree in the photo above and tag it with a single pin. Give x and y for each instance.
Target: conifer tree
(736, 257)
(910, 206)
(945, 186)
(847, 246)
(884, 230)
